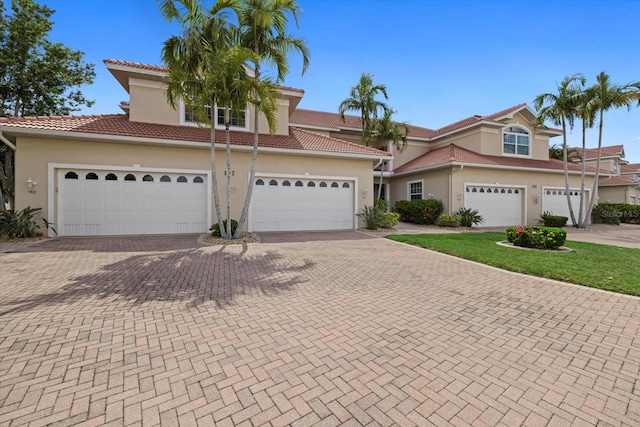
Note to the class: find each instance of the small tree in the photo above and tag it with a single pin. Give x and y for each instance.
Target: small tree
(387, 130)
(362, 98)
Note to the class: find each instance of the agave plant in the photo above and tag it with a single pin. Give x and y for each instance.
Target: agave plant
(22, 224)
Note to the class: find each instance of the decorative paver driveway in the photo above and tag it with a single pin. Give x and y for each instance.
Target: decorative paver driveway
(342, 329)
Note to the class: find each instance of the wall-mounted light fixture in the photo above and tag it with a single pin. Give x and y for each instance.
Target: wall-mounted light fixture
(30, 184)
(364, 193)
(536, 198)
(430, 196)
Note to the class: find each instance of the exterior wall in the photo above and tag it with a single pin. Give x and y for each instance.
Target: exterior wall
(618, 194)
(148, 104)
(605, 164)
(435, 182)
(471, 140)
(34, 155)
(534, 182)
(413, 150)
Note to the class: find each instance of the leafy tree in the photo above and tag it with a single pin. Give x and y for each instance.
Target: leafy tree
(560, 109)
(207, 68)
(387, 130)
(37, 76)
(263, 26)
(601, 97)
(362, 98)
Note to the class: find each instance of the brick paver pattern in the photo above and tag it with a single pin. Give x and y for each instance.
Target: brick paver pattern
(343, 329)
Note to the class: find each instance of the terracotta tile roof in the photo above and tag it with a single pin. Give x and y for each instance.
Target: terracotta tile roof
(324, 119)
(477, 118)
(617, 180)
(630, 168)
(453, 153)
(592, 153)
(162, 69)
(119, 125)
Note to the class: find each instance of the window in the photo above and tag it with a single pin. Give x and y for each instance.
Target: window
(165, 178)
(515, 141)
(345, 185)
(130, 177)
(198, 180)
(299, 184)
(273, 182)
(259, 182)
(91, 176)
(147, 178)
(237, 118)
(286, 183)
(70, 175)
(334, 185)
(415, 190)
(111, 177)
(182, 179)
(311, 184)
(323, 184)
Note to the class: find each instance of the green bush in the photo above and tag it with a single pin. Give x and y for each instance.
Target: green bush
(21, 224)
(389, 219)
(215, 228)
(446, 220)
(549, 220)
(382, 204)
(537, 237)
(419, 211)
(615, 213)
(372, 216)
(469, 217)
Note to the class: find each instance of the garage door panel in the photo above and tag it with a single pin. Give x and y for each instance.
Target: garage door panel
(139, 205)
(498, 205)
(554, 200)
(305, 206)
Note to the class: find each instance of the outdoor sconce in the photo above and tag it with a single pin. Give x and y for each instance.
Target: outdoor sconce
(30, 184)
(459, 196)
(364, 193)
(430, 196)
(535, 199)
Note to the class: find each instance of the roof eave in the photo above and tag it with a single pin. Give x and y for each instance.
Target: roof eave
(487, 166)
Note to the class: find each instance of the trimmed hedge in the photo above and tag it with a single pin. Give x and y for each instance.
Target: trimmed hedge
(555, 221)
(419, 211)
(446, 220)
(389, 219)
(215, 228)
(615, 213)
(537, 237)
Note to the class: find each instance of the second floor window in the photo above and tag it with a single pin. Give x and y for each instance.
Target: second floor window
(515, 141)
(237, 118)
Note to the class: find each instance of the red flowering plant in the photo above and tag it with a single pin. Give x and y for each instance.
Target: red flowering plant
(537, 237)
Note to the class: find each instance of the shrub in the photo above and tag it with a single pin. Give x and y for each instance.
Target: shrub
(446, 220)
(382, 204)
(371, 215)
(21, 224)
(537, 237)
(615, 213)
(419, 211)
(215, 228)
(548, 219)
(469, 217)
(389, 219)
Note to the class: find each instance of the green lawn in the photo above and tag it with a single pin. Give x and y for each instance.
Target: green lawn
(598, 266)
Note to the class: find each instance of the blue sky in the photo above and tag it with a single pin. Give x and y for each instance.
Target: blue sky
(440, 60)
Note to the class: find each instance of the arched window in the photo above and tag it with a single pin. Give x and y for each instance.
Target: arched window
(91, 176)
(130, 177)
(516, 191)
(198, 180)
(147, 178)
(273, 182)
(334, 185)
(515, 141)
(345, 185)
(259, 182)
(475, 190)
(311, 184)
(165, 178)
(182, 179)
(111, 177)
(299, 184)
(323, 184)
(488, 190)
(70, 175)
(502, 191)
(286, 183)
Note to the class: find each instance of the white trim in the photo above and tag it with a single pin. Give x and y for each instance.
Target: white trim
(52, 189)
(469, 126)
(529, 137)
(131, 69)
(214, 112)
(145, 83)
(486, 166)
(305, 127)
(421, 181)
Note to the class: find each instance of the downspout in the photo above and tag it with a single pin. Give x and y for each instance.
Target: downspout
(6, 141)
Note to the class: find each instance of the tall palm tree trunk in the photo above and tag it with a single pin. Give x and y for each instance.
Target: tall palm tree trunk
(214, 178)
(228, 170)
(381, 177)
(594, 188)
(252, 170)
(581, 219)
(565, 160)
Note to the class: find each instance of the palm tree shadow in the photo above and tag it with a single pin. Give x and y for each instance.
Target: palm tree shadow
(193, 277)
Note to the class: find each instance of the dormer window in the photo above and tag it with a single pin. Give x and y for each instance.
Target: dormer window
(238, 119)
(516, 142)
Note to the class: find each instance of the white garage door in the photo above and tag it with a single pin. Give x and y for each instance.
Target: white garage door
(499, 206)
(291, 204)
(554, 200)
(96, 202)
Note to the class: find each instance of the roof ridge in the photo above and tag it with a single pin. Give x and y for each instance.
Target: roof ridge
(60, 117)
(330, 138)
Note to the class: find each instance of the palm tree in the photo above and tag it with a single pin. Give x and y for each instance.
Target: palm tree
(362, 98)
(387, 130)
(559, 108)
(263, 24)
(207, 68)
(605, 96)
(587, 116)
